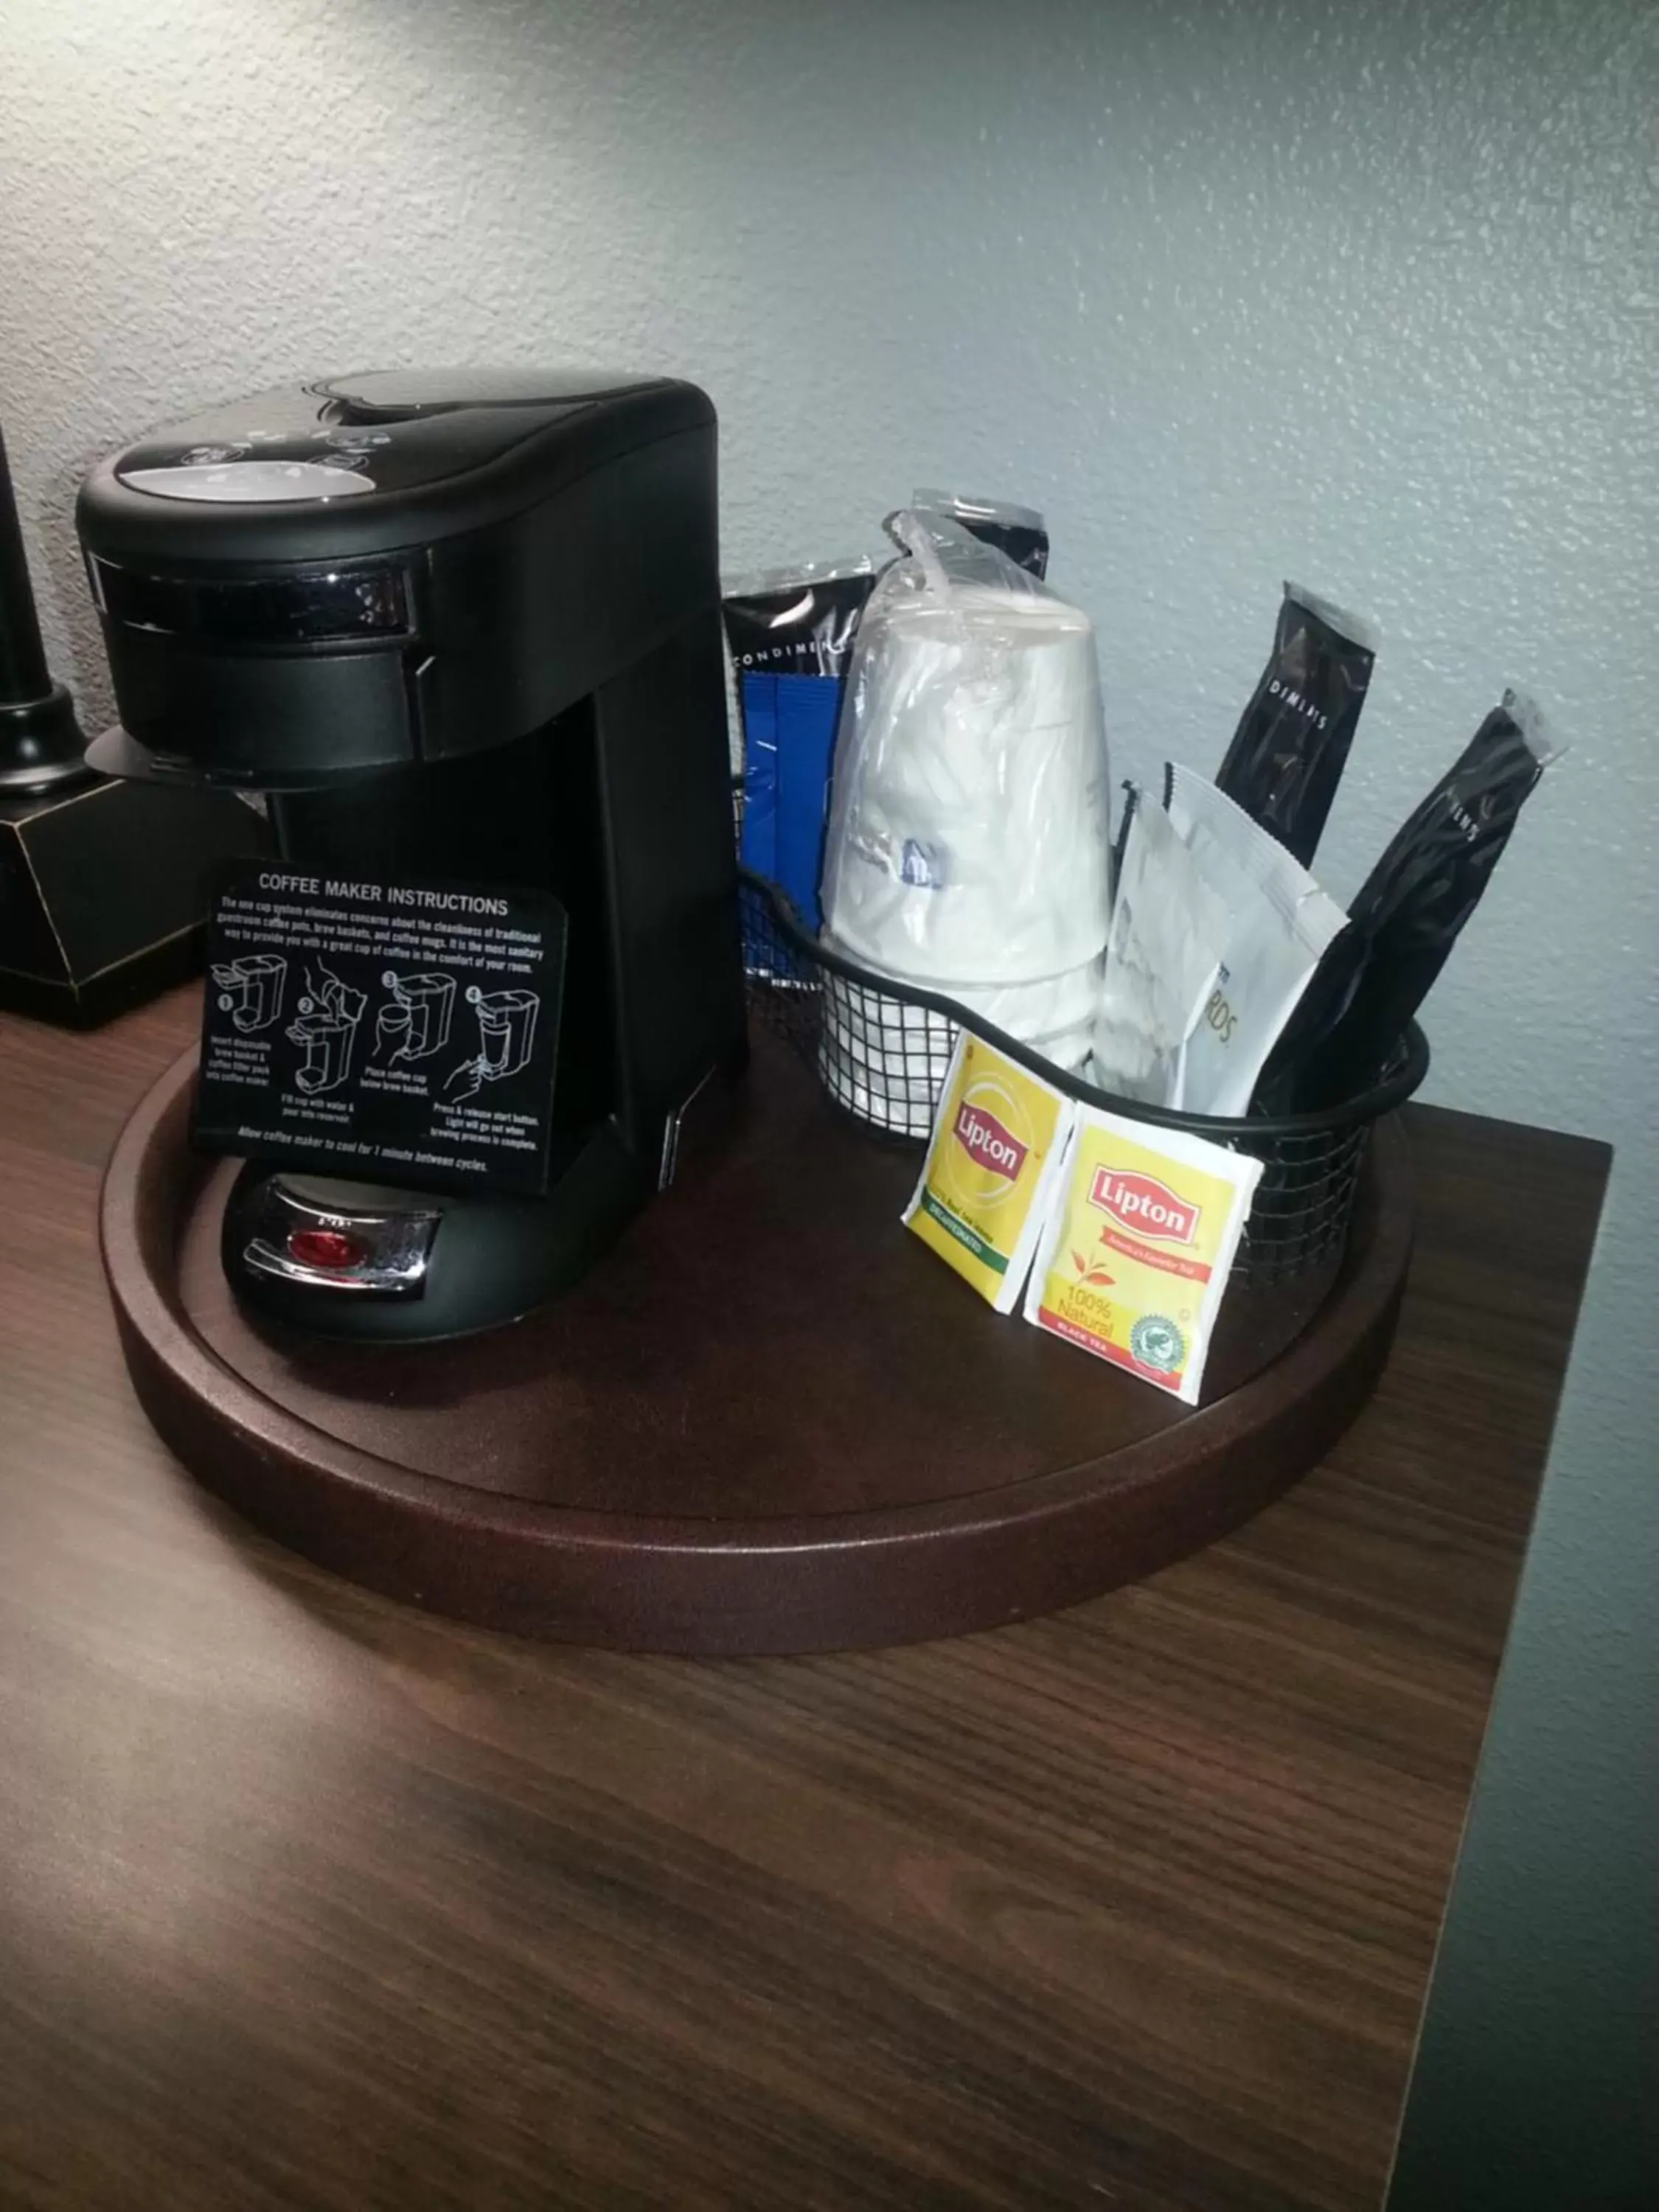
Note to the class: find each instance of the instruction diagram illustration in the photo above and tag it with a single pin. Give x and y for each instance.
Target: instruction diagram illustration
(507, 1037)
(415, 1021)
(250, 990)
(329, 1014)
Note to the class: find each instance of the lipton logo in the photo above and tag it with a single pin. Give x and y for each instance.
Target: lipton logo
(1144, 1204)
(984, 1139)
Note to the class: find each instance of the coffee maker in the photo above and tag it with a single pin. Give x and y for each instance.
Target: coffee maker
(461, 625)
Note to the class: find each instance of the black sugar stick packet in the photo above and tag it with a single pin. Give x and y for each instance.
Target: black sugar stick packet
(1288, 753)
(1407, 918)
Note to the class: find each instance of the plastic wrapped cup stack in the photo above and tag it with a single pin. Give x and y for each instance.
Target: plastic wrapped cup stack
(968, 847)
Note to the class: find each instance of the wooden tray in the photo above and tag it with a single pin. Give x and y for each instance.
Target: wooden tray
(769, 1420)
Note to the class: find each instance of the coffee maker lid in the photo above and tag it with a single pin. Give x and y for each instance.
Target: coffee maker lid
(401, 394)
(388, 430)
(374, 458)
(229, 480)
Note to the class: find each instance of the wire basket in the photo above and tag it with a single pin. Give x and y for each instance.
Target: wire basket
(883, 1051)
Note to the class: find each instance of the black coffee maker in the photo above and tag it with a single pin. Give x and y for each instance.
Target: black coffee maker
(457, 625)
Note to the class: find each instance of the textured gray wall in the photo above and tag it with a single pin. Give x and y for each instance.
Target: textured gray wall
(1363, 293)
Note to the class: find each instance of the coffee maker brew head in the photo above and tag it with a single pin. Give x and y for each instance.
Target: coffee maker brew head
(373, 571)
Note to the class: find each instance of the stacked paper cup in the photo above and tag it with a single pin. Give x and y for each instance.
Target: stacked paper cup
(968, 847)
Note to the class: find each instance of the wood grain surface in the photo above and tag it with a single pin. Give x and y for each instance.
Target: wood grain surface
(308, 1900)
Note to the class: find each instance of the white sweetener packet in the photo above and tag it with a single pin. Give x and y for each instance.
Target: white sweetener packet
(1279, 924)
(1167, 938)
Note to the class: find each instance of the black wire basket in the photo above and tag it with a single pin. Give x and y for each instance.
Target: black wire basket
(883, 1050)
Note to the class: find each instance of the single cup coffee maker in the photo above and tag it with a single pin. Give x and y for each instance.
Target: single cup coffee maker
(460, 626)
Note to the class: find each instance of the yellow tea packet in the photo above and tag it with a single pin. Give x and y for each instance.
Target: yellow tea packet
(1136, 1247)
(990, 1171)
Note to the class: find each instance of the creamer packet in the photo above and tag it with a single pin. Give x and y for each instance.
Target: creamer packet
(1167, 938)
(1279, 924)
(1134, 1255)
(991, 1169)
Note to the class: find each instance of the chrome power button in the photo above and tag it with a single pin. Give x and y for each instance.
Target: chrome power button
(301, 1239)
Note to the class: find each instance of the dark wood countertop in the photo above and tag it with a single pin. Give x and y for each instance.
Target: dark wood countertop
(308, 1900)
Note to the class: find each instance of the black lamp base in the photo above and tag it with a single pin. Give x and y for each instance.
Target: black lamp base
(41, 747)
(103, 891)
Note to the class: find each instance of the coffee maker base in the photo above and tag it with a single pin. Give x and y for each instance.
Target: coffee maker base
(375, 1264)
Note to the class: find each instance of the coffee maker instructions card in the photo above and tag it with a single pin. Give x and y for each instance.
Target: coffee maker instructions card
(402, 1032)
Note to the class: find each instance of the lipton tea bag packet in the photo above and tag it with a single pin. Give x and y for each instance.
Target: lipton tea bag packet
(1134, 1258)
(990, 1171)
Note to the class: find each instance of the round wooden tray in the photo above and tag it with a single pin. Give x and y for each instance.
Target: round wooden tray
(768, 1420)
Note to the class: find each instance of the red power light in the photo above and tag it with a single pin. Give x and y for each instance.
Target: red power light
(324, 1248)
